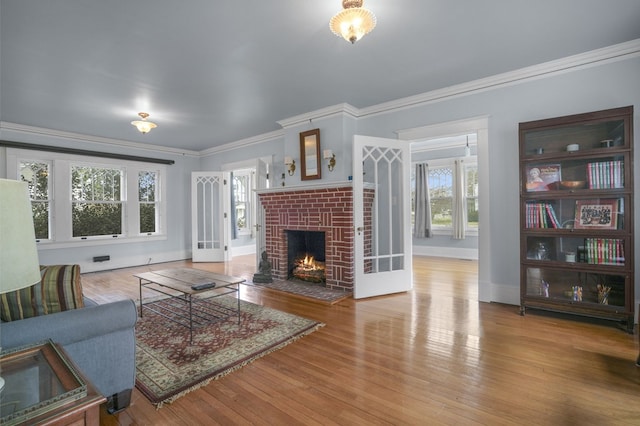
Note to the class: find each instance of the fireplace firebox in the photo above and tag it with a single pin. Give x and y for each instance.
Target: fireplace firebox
(306, 255)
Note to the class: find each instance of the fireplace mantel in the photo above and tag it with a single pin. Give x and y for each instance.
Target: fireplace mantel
(310, 187)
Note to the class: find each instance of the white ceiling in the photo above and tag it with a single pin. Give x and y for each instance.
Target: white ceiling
(215, 72)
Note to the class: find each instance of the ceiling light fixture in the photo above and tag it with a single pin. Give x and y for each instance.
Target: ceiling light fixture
(144, 126)
(353, 22)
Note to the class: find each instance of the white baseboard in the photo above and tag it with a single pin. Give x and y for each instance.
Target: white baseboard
(130, 261)
(242, 250)
(507, 294)
(455, 253)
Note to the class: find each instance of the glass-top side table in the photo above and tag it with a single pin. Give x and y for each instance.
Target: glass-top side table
(41, 383)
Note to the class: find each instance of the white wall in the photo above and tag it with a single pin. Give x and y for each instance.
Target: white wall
(608, 85)
(611, 85)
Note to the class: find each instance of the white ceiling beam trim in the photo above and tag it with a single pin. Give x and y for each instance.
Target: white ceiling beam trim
(254, 140)
(327, 112)
(443, 130)
(21, 128)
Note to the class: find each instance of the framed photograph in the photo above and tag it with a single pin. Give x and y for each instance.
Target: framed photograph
(596, 214)
(544, 177)
(310, 155)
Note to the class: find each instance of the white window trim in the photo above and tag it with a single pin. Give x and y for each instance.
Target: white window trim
(60, 220)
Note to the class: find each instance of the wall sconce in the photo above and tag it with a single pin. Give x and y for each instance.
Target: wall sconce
(291, 165)
(327, 154)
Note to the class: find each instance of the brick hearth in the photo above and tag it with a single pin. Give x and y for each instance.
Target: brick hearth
(325, 209)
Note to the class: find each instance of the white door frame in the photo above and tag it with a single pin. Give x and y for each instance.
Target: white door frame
(480, 126)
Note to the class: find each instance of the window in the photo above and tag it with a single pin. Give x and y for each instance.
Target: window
(441, 193)
(96, 202)
(36, 174)
(96, 198)
(148, 201)
(241, 190)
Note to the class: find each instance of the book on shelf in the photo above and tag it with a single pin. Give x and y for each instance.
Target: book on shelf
(605, 174)
(604, 251)
(541, 215)
(544, 177)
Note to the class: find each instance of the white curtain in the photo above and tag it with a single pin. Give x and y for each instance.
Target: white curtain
(422, 224)
(459, 201)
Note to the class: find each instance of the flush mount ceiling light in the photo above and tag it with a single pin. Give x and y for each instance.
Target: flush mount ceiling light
(143, 125)
(353, 22)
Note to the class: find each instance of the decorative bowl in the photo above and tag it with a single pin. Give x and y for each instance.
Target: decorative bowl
(572, 184)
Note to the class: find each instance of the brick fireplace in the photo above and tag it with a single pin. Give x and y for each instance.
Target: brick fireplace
(322, 208)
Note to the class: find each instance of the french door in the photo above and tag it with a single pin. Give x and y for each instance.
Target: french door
(381, 174)
(210, 201)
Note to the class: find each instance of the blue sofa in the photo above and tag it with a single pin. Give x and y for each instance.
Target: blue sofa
(100, 339)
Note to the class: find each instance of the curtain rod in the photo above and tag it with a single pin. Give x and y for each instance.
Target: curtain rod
(37, 147)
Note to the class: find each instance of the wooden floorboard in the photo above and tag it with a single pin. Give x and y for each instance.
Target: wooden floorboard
(433, 355)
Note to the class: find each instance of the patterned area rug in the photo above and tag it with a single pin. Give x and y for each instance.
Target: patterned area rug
(168, 366)
(307, 290)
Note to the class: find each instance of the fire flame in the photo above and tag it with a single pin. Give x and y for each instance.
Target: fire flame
(308, 263)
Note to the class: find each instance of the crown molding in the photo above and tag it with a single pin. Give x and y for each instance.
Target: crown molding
(339, 109)
(22, 128)
(254, 140)
(617, 52)
(443, 130)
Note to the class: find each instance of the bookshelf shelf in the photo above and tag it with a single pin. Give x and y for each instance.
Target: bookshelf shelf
(576, 215)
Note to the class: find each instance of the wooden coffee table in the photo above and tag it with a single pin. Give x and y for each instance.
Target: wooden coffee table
(190, 295)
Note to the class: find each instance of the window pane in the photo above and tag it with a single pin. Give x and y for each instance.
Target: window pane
(96, 219)
(147, 182)
(472, 213)
(147, 218)
(472, 196)
(240, 193)
(95, 184)
(441, 193)
(147, 196)
(41, 219)
(36, 174)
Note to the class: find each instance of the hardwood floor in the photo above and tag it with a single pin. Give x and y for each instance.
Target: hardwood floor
(434, 355)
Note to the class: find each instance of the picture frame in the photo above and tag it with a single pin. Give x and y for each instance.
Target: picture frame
(596, 214)
(543, 177)
(310, 159)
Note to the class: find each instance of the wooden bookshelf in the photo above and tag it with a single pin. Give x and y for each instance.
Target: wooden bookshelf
(576, 215)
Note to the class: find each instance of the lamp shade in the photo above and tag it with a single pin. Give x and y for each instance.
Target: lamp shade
(353, 22)
(19, 266)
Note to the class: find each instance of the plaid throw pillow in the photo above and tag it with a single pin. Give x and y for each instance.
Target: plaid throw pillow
(58, 290)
